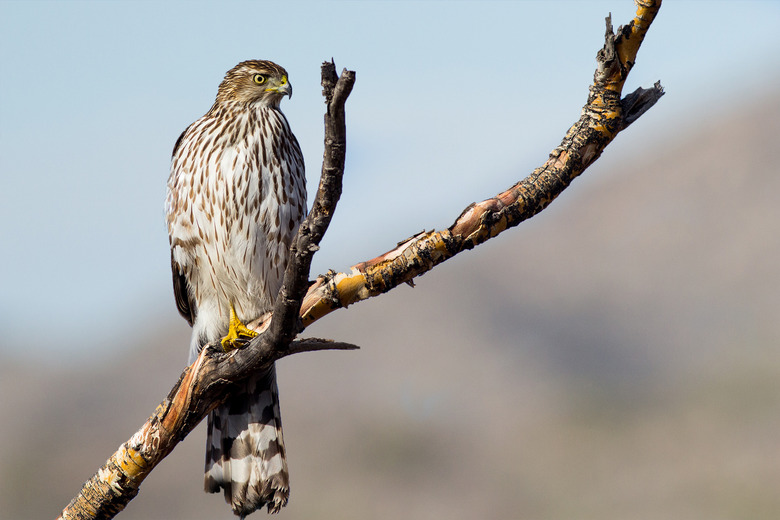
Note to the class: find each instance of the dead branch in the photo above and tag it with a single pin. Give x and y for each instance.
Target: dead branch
(603, 117)
(211, 378)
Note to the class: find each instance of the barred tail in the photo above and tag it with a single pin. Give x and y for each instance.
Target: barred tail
(245, 453)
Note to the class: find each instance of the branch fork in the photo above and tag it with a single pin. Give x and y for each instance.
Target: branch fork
(210, 379)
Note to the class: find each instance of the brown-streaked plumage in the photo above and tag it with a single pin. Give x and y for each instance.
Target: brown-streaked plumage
(236, 195)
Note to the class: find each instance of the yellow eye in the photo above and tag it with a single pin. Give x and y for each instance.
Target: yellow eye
(259, 79)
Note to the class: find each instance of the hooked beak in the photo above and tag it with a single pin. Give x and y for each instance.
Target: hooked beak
(284, 87)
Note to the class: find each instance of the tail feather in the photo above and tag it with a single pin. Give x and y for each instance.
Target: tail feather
(245, 452)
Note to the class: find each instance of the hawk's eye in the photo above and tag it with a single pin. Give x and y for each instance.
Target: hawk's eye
(259, 79)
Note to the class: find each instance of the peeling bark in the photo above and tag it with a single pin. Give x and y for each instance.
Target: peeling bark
(604, 115)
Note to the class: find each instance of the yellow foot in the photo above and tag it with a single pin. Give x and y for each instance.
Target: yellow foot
(238, 334)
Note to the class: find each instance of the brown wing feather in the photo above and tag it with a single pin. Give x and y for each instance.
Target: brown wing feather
(184, 303)
(178, 142)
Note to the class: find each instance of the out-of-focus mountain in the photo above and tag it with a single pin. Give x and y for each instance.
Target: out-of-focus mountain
(614, 357)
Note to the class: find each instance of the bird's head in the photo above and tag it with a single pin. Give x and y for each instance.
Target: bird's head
(255, 81)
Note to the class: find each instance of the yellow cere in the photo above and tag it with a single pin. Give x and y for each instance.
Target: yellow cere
(282, 82)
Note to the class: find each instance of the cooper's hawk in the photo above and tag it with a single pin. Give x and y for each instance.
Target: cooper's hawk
(236, 195)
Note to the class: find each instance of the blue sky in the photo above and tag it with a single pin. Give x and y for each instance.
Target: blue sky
(453, 102)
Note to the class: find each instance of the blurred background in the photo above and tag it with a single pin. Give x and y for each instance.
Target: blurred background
(614, 357)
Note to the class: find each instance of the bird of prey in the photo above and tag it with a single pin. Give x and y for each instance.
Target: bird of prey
(235, 197)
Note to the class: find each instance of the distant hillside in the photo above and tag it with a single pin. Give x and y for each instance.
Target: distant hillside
(616, 357)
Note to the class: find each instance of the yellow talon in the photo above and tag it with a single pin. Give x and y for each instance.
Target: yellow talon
(238, 334)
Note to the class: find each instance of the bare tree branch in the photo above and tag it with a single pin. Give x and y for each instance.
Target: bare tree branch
(603, 116)
(212, 377)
